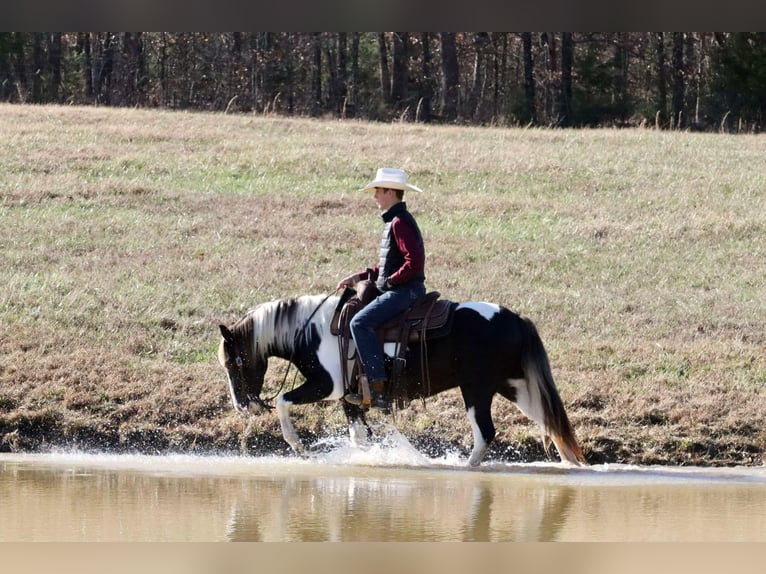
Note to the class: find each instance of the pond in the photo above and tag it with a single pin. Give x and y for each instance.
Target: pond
(383, 494)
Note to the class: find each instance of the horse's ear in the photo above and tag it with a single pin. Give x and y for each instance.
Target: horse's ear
(227, 335)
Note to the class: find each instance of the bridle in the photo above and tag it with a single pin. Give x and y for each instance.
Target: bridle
(258, 400)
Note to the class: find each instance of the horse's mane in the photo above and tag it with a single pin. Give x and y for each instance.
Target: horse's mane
(274, 325)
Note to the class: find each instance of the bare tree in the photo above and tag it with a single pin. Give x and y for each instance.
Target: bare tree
(54, 62)
(399, 68)
(351, 110)
(567, 60)
(103, 86)
(426, 84)
(450, 76)
(529, 79)
(550, 86)
(316, 83)
(341, 90)
(478, 77)
(132, 69)
(662, 81)
(678, 119)
(385, 78)
(620, 71)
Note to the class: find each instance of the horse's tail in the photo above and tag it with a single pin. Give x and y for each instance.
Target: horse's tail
(555, 422)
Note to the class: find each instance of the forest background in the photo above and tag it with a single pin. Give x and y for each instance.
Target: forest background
(712, 81)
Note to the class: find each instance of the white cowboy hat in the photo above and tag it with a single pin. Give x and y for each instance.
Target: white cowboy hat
(391, 178)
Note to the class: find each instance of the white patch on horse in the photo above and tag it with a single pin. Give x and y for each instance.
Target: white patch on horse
(288, 430)
(479, 444)
(390, 349)
(528, 400)
(327, 352)
(486, 310)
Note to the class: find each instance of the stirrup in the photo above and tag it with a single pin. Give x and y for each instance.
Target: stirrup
(361, 398)
(353, 398)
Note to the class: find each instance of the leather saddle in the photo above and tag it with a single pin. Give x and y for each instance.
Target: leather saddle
(429, 315)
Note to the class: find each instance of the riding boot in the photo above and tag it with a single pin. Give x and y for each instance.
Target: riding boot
(377, 400)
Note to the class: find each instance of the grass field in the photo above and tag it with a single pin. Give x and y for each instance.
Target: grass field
(126, 236)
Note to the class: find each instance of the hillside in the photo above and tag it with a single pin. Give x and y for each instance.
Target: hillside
(127, 236)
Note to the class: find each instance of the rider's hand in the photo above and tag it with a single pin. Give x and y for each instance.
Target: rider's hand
(349, 281)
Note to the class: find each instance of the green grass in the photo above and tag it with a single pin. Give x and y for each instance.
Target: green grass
(126, 236)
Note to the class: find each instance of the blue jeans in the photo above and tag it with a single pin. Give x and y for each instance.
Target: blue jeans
(365, 323)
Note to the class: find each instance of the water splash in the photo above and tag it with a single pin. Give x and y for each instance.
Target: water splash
(388, 447)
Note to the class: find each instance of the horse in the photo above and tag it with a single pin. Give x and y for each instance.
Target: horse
(489, 350)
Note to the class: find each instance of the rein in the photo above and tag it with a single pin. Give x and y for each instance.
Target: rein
(262, 402)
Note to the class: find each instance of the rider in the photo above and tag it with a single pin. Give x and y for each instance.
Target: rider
(399, 277)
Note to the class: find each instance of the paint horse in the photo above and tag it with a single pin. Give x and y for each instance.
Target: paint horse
(489, 350)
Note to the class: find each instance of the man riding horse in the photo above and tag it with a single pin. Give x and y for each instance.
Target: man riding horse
(399, 278)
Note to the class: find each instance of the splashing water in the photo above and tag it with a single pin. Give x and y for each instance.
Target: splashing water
(388, 447)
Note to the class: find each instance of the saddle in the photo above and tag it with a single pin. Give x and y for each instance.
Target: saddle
(428, 318)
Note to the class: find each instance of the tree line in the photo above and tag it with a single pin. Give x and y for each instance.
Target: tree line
(712, 81)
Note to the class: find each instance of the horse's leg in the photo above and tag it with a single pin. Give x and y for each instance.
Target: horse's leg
(311, 391)
(526, 396)
(479, 413)
(358, 429)
(288, 429)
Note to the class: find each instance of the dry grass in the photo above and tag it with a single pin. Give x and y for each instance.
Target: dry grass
(126, 236)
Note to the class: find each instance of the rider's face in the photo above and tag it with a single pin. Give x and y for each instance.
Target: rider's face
(385, 198)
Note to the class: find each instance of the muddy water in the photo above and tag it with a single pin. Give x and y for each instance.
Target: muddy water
(383, 494)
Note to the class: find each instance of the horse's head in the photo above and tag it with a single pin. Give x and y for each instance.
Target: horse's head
(244, 368)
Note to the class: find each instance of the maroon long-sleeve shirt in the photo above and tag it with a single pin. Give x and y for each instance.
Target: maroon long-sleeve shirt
(408, 241)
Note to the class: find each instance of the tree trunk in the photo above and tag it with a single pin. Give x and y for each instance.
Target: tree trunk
(426, 84)
(480, 42)
(385, 80)
(20, 64)
(351, 110)
(552, 87)
(342, 74)
(104, 86)
(54, 60)
(263, 94)
(500, 74)
(620, 85)
(38, 63)
(400, 68)
(567, 59)
(134, 74)
(450, 76)
(333, 82)
(678, 113)
(691, 67)
(529, 79)
(316, 83)
(662, 82)
(6, 73)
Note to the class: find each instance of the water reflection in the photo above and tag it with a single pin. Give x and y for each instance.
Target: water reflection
(187, 499)
(395, 509)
